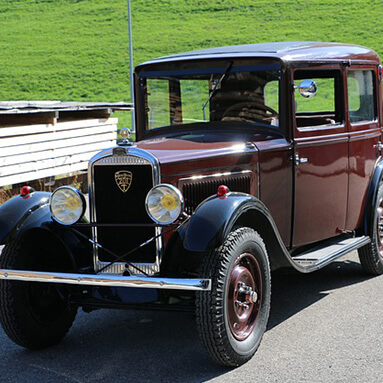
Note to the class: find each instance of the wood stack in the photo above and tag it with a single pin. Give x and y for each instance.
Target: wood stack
(48, 139)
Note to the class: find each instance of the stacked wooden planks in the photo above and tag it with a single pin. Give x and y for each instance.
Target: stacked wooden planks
(63, 143)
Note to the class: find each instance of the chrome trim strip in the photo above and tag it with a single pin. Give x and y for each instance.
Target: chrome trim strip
(123, 160)
(215, 175)
(107, 280)
(122, 155)
(356, 136)
(321, 140)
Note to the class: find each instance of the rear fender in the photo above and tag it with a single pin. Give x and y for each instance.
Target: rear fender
(368, 218)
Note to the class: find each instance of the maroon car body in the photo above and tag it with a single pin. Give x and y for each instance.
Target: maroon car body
(248, 159)
(311, 201)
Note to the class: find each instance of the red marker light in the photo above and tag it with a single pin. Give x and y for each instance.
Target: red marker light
(222, 191)
(26, 190)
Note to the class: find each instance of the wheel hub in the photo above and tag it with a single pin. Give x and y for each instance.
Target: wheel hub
(244, 296)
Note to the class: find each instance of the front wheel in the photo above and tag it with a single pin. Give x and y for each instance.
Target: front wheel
(34, 315)
(232, 317)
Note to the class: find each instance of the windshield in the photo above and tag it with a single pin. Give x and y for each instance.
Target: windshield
(227, 93)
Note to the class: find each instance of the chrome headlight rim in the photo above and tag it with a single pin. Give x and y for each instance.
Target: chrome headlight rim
(180, 198)
(83, 202)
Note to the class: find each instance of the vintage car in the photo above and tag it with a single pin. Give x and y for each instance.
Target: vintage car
(248, 159)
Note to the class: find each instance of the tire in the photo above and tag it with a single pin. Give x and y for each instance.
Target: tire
(230, 331)
(371, 255)
(34, 315)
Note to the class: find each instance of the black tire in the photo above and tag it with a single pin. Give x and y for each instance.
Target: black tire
(371, 255)
(33, 315)
(242, 257)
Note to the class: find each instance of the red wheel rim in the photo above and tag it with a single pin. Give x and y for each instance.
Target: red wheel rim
(244, 297)
(379, 229)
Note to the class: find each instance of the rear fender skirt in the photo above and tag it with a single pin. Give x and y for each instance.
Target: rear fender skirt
(371, 199)
(215, 217)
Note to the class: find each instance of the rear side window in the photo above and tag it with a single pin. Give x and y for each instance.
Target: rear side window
(361, 95)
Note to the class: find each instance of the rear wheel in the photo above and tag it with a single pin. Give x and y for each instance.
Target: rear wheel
(371, 255)
(33, 315)
(232, 317)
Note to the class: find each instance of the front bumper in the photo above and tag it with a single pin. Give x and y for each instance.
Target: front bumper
(107, 280)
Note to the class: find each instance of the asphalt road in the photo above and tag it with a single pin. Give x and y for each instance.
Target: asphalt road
(324, 327)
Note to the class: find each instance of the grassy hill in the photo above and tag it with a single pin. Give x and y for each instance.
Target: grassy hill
(78, 49)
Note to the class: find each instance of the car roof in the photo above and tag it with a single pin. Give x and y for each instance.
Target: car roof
(298, 51)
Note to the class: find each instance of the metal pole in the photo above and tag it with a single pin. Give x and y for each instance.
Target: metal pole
(131, 65)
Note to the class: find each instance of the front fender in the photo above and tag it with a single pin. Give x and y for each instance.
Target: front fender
(215, 217)
(15, 212)
(32, 215)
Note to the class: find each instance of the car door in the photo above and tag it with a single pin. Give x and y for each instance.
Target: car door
(364, 130)
(321, 157)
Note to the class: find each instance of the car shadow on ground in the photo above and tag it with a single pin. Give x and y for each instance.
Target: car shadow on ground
(293, 291)
(130, 346)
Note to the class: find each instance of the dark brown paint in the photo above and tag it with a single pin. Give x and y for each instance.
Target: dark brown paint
(309, 202)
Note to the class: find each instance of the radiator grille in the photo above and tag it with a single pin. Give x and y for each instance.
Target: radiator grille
(197, 191)
(112, 205)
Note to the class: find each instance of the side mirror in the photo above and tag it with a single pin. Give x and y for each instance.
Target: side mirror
(307, 88)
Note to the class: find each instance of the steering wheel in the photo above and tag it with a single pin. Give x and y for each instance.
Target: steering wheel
(249, 104)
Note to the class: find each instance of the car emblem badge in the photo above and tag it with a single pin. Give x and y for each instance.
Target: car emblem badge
(123, 180)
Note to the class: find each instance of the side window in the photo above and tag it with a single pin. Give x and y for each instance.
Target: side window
(194, 94)
(361, 95)
(272, 95)
(326, 107)
(157, 103)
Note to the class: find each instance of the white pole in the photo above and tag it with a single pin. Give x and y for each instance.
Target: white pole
(131, 64)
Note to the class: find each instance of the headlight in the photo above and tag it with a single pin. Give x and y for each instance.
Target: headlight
(164, 204)
(67, 205)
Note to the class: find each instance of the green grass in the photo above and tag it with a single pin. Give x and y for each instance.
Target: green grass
(78, 49)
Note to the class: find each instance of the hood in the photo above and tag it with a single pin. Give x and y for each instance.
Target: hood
(169, 150)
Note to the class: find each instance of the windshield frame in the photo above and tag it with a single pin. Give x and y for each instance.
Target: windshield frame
(206, 66)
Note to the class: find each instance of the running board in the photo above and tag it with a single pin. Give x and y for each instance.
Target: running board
(319, 257)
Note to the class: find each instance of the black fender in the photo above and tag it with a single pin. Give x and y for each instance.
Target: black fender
(368, 216)
(31, 214)
(16, 211)
(215, 217)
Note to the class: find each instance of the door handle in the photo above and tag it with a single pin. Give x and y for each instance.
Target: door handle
(300, 160)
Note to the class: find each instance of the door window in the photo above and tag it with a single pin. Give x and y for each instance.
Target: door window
(361, 95)
(326, 107)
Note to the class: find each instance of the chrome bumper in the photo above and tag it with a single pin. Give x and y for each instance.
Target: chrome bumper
(107, 280)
